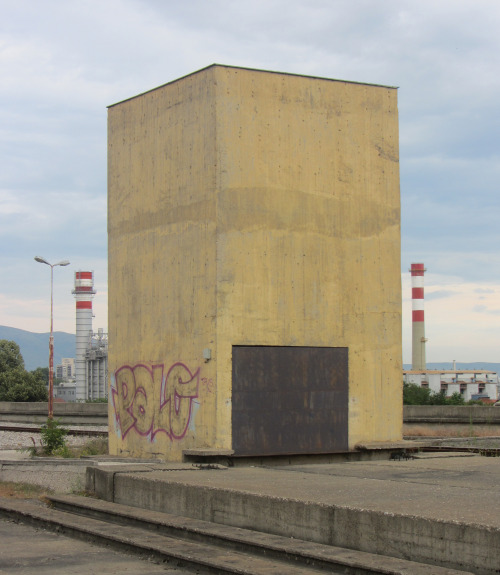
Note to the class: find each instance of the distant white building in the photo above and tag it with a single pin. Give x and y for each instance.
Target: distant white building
(66, 369)
(471, 384)
(65, 391)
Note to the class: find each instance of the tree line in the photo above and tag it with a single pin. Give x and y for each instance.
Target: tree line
(17, 384)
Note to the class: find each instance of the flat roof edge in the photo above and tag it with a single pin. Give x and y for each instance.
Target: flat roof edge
(252, 70)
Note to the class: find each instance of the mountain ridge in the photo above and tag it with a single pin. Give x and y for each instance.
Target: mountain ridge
(35, 346)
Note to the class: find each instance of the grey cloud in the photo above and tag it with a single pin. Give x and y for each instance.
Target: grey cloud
(484, 309)
(439, 294)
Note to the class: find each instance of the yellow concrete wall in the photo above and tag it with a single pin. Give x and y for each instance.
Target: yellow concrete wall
(161, 227)
(308, 232)
(248, 207)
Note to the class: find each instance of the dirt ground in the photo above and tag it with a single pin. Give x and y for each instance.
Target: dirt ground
(458, 431)
(22, 490)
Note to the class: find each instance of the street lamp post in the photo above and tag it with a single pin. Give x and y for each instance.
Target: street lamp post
(51, 338)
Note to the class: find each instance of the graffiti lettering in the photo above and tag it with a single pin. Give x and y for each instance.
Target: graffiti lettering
(136, 408)
(208, 383)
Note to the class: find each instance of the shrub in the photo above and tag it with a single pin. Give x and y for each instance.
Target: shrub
(413, 394)
(53, 436)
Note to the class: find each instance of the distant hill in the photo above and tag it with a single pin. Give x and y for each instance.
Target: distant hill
(488, 366)
(35, 346)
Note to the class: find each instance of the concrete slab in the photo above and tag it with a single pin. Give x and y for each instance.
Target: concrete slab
(445, 488)
(439, 510)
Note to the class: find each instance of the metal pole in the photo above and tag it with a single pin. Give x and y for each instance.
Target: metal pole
(41, 260)
(51, 345)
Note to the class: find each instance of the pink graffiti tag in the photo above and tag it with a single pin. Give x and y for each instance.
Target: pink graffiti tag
(148, 403)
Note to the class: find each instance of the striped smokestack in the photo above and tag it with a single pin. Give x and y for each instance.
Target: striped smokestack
(84, 293)
(418, 324)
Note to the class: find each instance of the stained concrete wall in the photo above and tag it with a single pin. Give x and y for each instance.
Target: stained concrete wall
(464, 545)
(162, 262)
(451, 414)
(249, 208)
(451, 421)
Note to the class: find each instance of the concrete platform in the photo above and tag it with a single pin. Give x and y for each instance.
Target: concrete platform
(438, 510)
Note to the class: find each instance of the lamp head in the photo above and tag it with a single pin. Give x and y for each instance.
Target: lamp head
(44, 261)
(41, 260)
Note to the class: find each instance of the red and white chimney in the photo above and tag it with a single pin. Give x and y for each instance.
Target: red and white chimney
(84, 293)
(418, 323)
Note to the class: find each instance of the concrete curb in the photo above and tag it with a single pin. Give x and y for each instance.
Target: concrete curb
(445, 543)
(59, 475)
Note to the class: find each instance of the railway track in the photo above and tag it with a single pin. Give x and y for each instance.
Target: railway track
(70, 430)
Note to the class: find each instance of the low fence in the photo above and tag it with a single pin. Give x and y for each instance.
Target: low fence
(67, 413)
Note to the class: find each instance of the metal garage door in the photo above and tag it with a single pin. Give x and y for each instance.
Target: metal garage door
(289, 400)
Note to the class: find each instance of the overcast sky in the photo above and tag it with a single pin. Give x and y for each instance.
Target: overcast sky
(63, 61)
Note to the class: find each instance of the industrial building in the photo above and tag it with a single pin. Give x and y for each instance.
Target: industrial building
(96, 365)
(418, 319)
(86, 376)
(91, 365)
(254, 266)
(65, 392)
(471, 384)
(95, 374)
(84, 293)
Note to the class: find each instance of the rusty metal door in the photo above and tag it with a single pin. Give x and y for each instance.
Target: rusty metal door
(289, 400)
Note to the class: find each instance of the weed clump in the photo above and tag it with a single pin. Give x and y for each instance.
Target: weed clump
(53, 436)
(98, 446)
